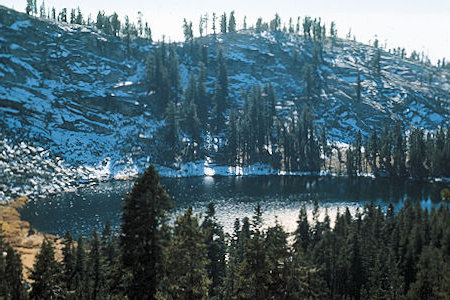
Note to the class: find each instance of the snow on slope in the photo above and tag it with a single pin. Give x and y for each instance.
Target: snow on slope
(83, 95)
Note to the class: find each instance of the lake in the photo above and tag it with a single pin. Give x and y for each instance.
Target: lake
(280, 197)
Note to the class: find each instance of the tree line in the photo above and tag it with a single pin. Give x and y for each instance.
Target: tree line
(309, 27)
(371, 254)
(108, 24)
(395, 152)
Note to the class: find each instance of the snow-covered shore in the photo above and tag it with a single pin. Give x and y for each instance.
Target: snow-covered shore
(35, 172)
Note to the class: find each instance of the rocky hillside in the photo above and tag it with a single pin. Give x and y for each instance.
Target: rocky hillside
(83, 96)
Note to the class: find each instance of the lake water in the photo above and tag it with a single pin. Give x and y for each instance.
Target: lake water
(280, 197)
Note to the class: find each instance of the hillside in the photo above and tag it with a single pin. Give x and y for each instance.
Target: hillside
(79, 101)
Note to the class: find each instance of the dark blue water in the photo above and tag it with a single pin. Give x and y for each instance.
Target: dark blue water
(234, 197)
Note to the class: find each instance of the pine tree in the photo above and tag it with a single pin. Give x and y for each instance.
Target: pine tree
(72, 16)
(258, 25)
(63, 15)
(194, 123)
(148, 32)
(232, 138)
(372, 151)
(302, 234)
(79, 274)
(68, 263)
(308, 78)
(172, 131)
(357, 152)
(29, 7)
(220, 92)
(13, 275)
(214, 23)
(399, 152)
(42, 10)
(358, 87)
(45, 273)
(110, 262)
(377, 62)
(115, 24)
(386, 151)
(350, 162)
(202, 96)
(79, 17)
(355, 269)
(186, 276)
(254, 273)
(143, 246)
(278, 256)
(187, 30)
(232, 23)
(223, 23)
(216, 251)
(35, 7)
(275, 24)
(427, 285)
(94, 271)
(416, 154)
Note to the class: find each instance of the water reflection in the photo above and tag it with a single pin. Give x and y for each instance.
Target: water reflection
(235, 197)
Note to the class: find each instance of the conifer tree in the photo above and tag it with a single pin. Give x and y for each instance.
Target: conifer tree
(45, 273)
(79, 17)
(223, 23)
(372, 150)
(29, 7)
(278, 256)
(216, 251)
(172, 131)
(115, 24)
(220, 92)
(232, 138)
(72, 16)
(186, 276)
(254, 272)
(148, 32)
(35, 7)
(350, 162)
(79, 274)
(187, 30)
(427, 285)
(386, 150)
(399, 152)
(42, 10)
(143, 246)
(377, 62)
(214, 23)
(416, 154)
(13, 275)
(202, 95)
(232, 23)
(258, 25)
(357, 152)
(63, 15)
(94, 271)
(302, 234)
(68, 263)
(358, 87)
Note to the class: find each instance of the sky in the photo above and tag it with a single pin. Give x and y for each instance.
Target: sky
(412, 24)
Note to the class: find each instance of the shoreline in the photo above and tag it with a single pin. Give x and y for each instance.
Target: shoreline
(22, 237)
(191, 170)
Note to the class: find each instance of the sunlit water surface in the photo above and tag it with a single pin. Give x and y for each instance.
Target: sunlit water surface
(280, 197)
